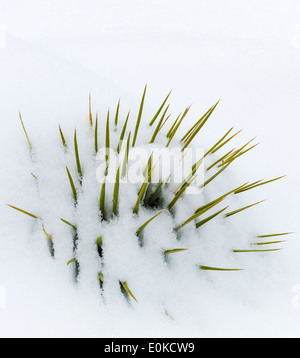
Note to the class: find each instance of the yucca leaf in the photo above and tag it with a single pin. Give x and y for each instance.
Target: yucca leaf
(50, 241)
(144, 186)
(167, 252)
(24, 212)
(125, 162)
(272, 235)
(24, 129)
(148, 169)
(72, 185)
(141, 195)
(45, 232)
(208, 268)
(218, 142)
(266, 243)
(123, 134)
(146, 223)
(68, 223)
(204, 221)
(241, 153)
(100, 241)
(107, 143)
(218, 199)
(177, 126)
(181, 191)
(242, 209)
(125, 286)
(117, 114)
(247, 186)
(99, 245)
(236, 154)
(102, 199)
(155, 194)
(198, 128)
(160, 109)
(191, 130)
(225, 142)
(62, 138)
(255, 251)
(90, 111)
(96, 134)
(34, 176)
(173, 126)
(214, 176)
(255, 185)
(71, 261)
(139, 117)
(158, 127)
(79, 170)
(219, 160)
(100, 275)
(201, 211)
(116, 192)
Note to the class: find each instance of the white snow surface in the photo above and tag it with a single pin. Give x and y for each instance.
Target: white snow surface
(56, 53)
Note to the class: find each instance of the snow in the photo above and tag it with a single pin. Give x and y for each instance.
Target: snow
(56, 54)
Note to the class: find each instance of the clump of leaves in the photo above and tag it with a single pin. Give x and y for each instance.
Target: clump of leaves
(150, 195)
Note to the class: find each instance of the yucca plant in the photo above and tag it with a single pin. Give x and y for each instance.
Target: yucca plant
(156, 196)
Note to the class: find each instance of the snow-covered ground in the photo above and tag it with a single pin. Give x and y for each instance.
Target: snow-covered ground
(247, 54)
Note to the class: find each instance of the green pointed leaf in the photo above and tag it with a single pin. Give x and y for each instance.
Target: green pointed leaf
(47, 235)
(191, 130)
(181, 191)
(272, 235)
(24, 129)
(63, 138)
(204, 221)
(255, 185)
(255, 251)
(267, 243)
(201, 123)
(23, 212)
(125, 162)
(159, 125)
(123, 134)
(96, 135)
(72, 185)
(174, 251)
(177, 126)
(214, 176)
(208, 268)
(102, 199)
(242, 209)
(218, 142)
(138, 122)
(147, 222)
(124, 284)
(117, 114)
(100, 241)
(159, 110)
(225, 142)
(68, 223)
(90, 111)
(79, 170)
(219, 160)
(71, 261)
(116, 192)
